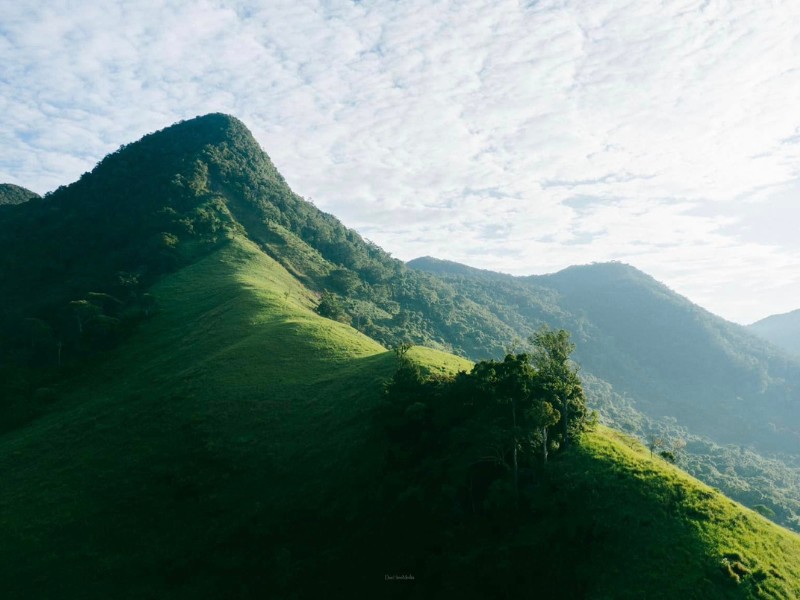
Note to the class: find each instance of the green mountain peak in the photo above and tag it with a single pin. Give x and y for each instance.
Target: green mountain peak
(179, 419)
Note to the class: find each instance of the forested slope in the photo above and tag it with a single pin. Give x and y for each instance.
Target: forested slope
(781, 330)
(232, 446)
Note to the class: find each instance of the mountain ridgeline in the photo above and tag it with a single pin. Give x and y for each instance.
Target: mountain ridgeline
(194, 403)
(657, 366)
(653, 363)
(782, 330)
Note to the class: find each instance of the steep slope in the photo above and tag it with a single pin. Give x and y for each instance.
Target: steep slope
(621, 498)
(171, 467)
(77, 287)
(199, 431)
(14, 194)
(227, 449)
(711, 375)
(782, 330)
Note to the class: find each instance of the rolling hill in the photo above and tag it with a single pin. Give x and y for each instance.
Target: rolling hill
(178, 421)
(782, 330)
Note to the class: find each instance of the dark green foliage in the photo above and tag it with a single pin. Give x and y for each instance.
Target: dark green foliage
(473, 431)
(667, 455)
(330, 307)
(463, 461)
(82, 257)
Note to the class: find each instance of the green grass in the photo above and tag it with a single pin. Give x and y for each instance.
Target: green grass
(234, 393)
(645, 529)
(226, 445)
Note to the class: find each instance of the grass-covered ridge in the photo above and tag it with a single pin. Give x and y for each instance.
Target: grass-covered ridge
(168, 466)
(229, 449)
(82, 259)
(655, 532)
(230, 443)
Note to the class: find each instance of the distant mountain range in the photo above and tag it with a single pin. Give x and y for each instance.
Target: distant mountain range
(782, 330)
(673, 357)
(176, 414)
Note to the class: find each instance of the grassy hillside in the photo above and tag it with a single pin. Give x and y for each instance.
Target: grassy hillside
(227, 450)
(234, 404)
(689, 540)
(177, 421)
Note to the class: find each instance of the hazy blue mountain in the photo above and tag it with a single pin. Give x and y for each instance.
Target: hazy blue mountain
(677, 359)
(782, 330)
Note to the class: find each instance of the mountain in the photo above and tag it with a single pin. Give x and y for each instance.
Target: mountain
(429, 264)
(198, 459)
(782, 330)
(178, 420)
(657, 365)
(14, 194)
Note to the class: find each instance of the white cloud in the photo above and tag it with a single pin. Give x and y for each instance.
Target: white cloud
(517, 137)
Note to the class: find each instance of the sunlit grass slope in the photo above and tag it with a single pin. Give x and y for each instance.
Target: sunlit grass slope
(634, 526)
(169, 469)
(228, 446)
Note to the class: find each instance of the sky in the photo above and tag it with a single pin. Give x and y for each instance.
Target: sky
(522, 137)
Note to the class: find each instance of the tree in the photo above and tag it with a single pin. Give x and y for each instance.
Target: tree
(517, 385)
(330, 308)
(654, 442)
(83, 310)
(402, 349)
(544, 415)
(559, 378)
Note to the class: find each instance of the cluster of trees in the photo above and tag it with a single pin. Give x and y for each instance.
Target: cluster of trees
(490, 428)
(468, 464)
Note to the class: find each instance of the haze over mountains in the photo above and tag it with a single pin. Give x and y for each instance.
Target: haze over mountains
(782, 330)
(161, 359)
